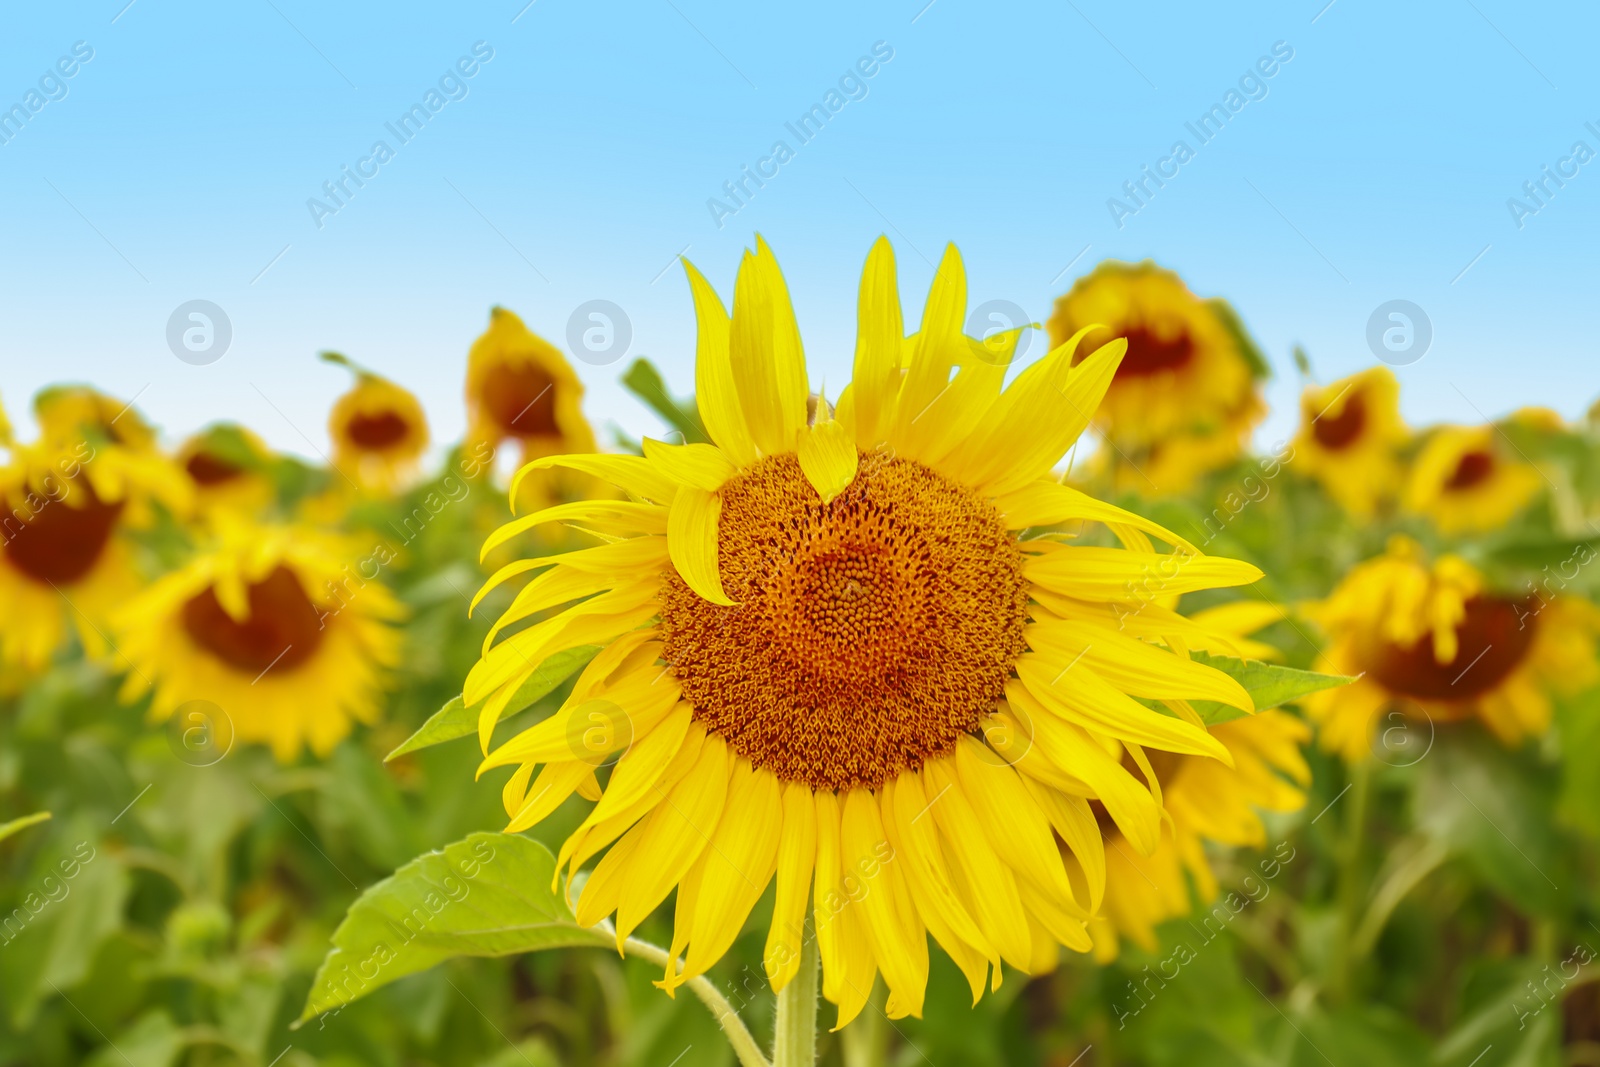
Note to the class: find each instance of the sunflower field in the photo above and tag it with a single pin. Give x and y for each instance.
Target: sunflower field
(966, 714)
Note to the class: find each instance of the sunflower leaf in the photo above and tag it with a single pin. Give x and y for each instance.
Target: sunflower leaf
(1268, 684)
(487, 895)
(646, 383)
(9, 828)
(455, 719)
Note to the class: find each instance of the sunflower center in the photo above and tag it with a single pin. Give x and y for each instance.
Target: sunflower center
(377, 430)
(521, 400)
(1335, 432)
(868, 633)
(1472, 469)
(1151, 353)
(61, 542)
(281, 631)
(207, 469)
(1493, 638)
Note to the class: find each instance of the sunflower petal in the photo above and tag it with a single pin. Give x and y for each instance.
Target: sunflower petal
(715, 392)
(828, 458)
(700, 466)
(692, 542)
(879, 332)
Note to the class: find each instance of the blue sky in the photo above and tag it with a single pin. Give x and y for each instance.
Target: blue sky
(578, 161)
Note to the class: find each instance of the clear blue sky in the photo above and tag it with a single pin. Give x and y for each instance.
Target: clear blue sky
(579, 161)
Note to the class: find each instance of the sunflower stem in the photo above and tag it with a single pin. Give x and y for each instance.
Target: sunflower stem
(738, 1035)
(795, 1044)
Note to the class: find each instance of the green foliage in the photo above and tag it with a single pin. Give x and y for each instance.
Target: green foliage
(1269, 685)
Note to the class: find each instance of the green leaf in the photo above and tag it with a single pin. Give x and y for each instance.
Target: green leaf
(455, 719)
(487, 895)
(9, 828)
(644, 382)
(1259, 367)
(1268, 684)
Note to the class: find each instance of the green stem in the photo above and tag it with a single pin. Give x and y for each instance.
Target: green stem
(865, 1042)
(796, 1042)
(1351, 883)
(744, 1046)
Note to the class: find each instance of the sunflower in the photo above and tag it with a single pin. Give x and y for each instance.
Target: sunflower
(1466, 482)
(1207, 802)
(225, 463)
(1433, 643)
(65, 557)
(279, 629)
(69, 412)
(378, 430)
(1185, 397)
(1350, 432)
(520, 388)
(828, 658)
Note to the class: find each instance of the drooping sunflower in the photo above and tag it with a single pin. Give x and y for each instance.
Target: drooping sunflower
(1349, 437)
(378, 429)
(1433, 644)
(279, 629)
(521, 388)
(831, 660)
(1468, 480)
(66, 506)
(67, 412)
(1185, 397)
(225, 463)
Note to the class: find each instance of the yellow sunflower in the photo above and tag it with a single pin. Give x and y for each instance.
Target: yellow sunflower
(1207, 801)
(1432, 644)
(66, 506)
(68, 412)
(521, 388)
(378, 429)
(284, 631)
(226, 464)
(1185, 398)
(1349, 437)
(1469, 480)
(830, 660)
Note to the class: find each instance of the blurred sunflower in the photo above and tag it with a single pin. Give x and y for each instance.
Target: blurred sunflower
(378, 429)
(1464, 480)
(1349, 436)
(66, 506)
(225, 464)
(278, 627)
(68, 412)
(1434, 642)
(819, 630)
(520, 388)
(1185, 398)
(1207, 801)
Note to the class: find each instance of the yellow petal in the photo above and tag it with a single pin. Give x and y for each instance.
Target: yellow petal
(1093, 573)
(848, 970)
(699, 465)
(674, 834)
(715, 393)
(797, 854)
(738, 865)
(940, 344)
(623, 517)
(769, 368)
(986, 885)
(869, 858)
(827, 457)
(1049, 503)
(692, 542)
(555, 783)
(879, 332)
(1079, 695)
(1135, 667)
(1074, 821)
(1039, 417)
(632, 474)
